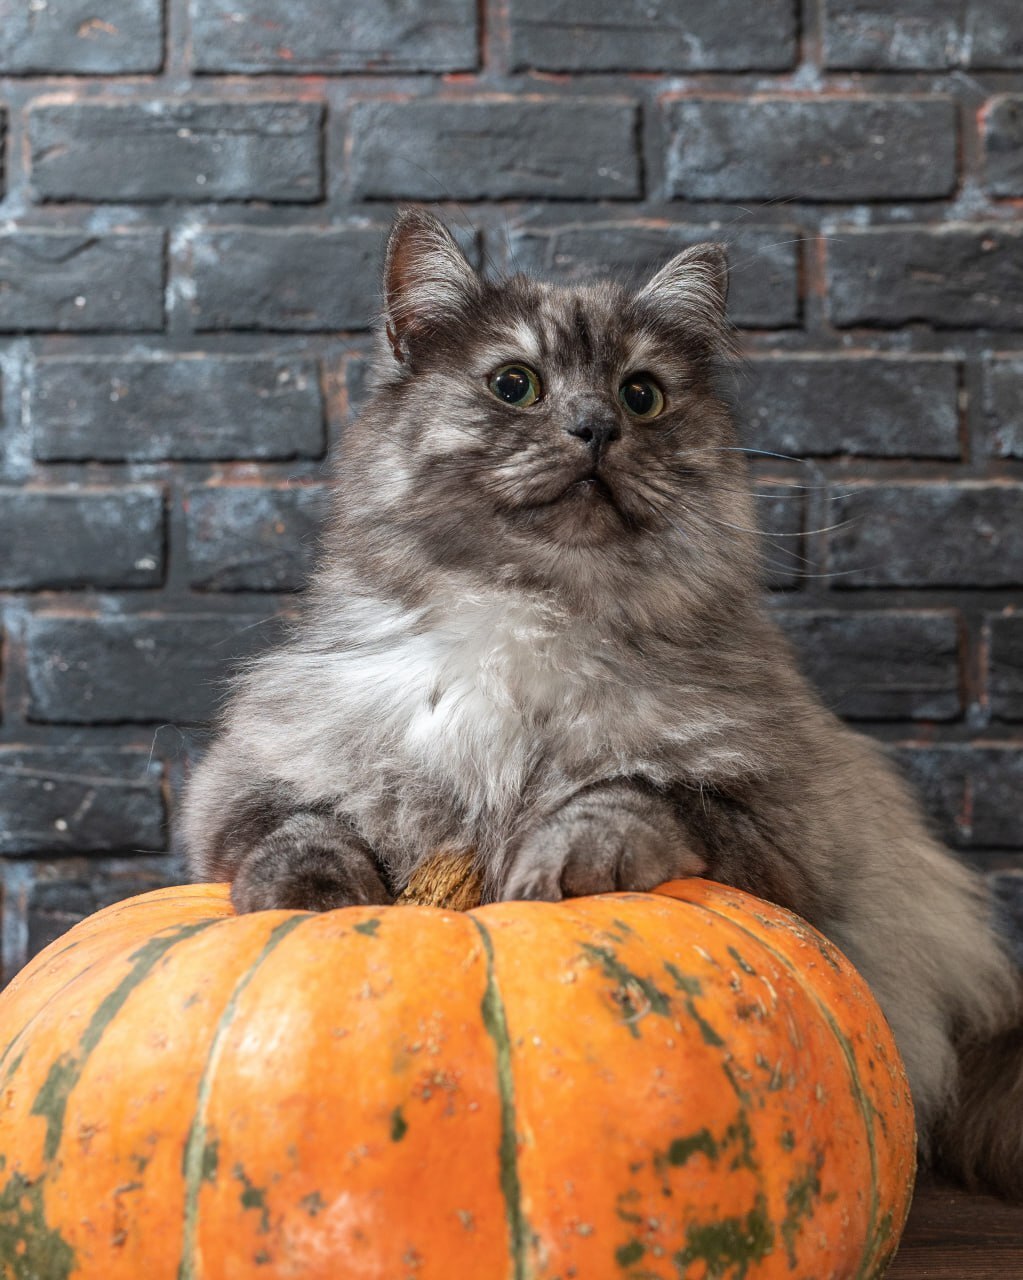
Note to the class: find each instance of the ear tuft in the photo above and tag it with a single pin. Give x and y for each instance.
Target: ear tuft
(426, 278)
(692, 289)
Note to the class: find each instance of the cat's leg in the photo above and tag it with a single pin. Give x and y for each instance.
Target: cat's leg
(616, 835)
(310, 862)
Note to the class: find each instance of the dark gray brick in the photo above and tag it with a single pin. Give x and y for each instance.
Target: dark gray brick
(84, 800)
(922, 34)
(321, 35)
(495, 149)
(652, 35)
(176, 150)
(111, 669)
(1007, 887)
(967, 534)
(764, 290)
(85, 37)
(78, 538)
(1005, 680)
(252, 539)
(811, 148)
(951, 277)
(1003, 146)
(357, 375)
(971, 792)
(1003, 404)
(880, 666)
(779, 515)
(56, 895)
(193, 406)
(78, 281)
(874, 407)
(295, 279)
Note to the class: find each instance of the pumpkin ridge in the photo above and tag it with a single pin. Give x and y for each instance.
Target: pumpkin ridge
(864, 1104)
(495, 1022)
(16, 1038)
(52, 1098)
(196, 1161)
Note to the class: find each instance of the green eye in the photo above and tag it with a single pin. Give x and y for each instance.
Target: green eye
(515, 384)
(641, 396)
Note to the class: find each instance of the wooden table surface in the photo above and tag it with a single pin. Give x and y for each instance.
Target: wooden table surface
(955, 1236)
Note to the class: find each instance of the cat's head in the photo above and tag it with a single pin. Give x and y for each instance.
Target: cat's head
(548, 435)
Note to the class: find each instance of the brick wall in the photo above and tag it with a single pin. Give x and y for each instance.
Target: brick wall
(195, 195)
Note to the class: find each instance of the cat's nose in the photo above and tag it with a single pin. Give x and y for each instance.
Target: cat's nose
(595, 432)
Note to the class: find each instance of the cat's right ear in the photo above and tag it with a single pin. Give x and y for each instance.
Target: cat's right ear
(426, 279)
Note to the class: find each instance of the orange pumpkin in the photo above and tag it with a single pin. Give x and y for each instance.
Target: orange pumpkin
(689, 1084)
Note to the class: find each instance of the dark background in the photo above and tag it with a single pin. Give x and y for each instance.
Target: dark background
(195, 198)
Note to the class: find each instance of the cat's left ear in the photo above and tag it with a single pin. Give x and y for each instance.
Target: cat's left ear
(426, 279)
(692, 287)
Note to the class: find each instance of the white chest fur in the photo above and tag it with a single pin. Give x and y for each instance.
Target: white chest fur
(466, 707)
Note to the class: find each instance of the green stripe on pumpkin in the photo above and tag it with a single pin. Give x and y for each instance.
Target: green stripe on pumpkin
(52, 1099)
(195, 1165)
(496, 1024)
(30, 1249)
(878, 1246)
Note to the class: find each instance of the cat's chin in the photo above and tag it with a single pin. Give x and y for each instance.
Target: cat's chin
(585, 513)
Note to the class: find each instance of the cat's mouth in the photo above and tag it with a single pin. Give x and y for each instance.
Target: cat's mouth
(589, 489)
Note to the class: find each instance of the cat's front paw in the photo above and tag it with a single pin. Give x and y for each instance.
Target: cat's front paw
(588, 848)
(307, 879)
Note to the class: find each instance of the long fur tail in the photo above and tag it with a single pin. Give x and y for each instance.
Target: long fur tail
(980, 1140)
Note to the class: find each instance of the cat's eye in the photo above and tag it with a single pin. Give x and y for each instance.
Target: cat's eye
(641, 396)
(516, 384)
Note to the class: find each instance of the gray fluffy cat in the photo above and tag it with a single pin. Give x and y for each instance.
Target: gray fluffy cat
(536, 631)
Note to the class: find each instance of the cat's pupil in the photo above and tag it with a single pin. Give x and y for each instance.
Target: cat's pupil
(512, 384)
(638, 396)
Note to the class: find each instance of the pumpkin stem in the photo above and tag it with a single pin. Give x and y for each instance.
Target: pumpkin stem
(448, 878)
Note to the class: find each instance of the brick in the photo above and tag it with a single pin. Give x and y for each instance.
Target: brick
(176, 150)
(182, 407)
(868, 406)
(320, 35)
(81, 537)
(810, 148)
(971, 792)
(779, 516)
(1007, 888)
(252, 538)
(299, 279)
(136, 669)
(968, 534)
(44, 900)
(1003, 404)
(1003, 146)
(1005, 678)
(952, 277)
(585, 148)
(357, 382)
(85, 800)
(77, 281)
(764, 290)
(651, 35)
(83, 37)
(874, 665)
(922, 34)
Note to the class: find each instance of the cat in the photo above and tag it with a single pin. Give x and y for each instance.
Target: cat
(536, 631)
